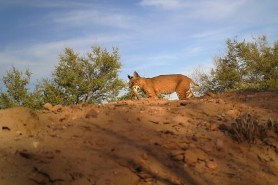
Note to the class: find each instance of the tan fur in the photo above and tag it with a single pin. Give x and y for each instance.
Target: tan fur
(163, 84)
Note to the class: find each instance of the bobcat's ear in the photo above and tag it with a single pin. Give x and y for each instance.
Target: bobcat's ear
(129, 77)
(136, 75)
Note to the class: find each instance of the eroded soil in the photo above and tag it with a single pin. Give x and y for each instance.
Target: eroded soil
(139, 142)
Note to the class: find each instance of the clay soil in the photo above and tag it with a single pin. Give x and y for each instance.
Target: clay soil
(139, 142)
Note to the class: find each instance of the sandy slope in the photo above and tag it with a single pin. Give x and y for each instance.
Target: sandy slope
(138, 142)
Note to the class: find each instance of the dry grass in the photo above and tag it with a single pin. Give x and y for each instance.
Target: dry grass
(246, 128)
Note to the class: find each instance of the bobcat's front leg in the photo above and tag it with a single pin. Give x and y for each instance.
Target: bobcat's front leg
(151, 94)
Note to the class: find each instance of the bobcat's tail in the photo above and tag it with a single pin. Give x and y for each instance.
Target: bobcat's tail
(194, 86)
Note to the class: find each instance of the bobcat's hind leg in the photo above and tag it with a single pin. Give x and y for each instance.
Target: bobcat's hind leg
(189, 94)
(181, 95)
(183, 91)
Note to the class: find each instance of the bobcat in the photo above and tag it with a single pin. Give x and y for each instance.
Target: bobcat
(162, 84)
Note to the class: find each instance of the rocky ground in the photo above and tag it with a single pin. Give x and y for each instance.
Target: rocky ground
(140, 142)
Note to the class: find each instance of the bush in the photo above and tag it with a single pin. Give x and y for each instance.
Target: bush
(17, 93)
(247, 129)
(246, 65)
(93, 78)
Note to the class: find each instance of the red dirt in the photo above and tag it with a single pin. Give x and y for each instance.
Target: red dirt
(138, 142)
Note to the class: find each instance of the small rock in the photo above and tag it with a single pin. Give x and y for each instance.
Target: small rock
(145, 156)
(155, 122)
(25, 154)
(63, 118)
(232, 113)
(194, 138)
(201, 155)
(4, 128)
(57, 108)
(190, 157)
(220, 101)
(91, 114)
(145, 176)
(213, 126)
(183, 103)
(219, 144)
(211, 165)
(210, 94)
(208, 147)
(264, 158)
(219, 117)
(48, 106)
(183, 146)
(223, 127)
(177, 155)
(35, 144)
(176, 152)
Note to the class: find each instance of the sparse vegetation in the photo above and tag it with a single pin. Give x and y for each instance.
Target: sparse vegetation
(273, 125)
(16, 90)
(92, 79)
(246, 65)
(247, 129)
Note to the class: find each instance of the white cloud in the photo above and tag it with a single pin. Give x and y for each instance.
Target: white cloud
(41, 58)
(91, 17)
(217, 9)
(44, 3)
(198, 9)
(164, 4)
(182, 33)
(26, 58)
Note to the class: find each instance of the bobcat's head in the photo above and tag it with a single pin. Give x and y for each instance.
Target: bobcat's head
(135, 81)
(135, 84)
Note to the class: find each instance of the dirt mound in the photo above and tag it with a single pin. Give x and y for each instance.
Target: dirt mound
(140, 142)
(19, 121)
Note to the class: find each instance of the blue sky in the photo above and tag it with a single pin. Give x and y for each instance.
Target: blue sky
(153, 36)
